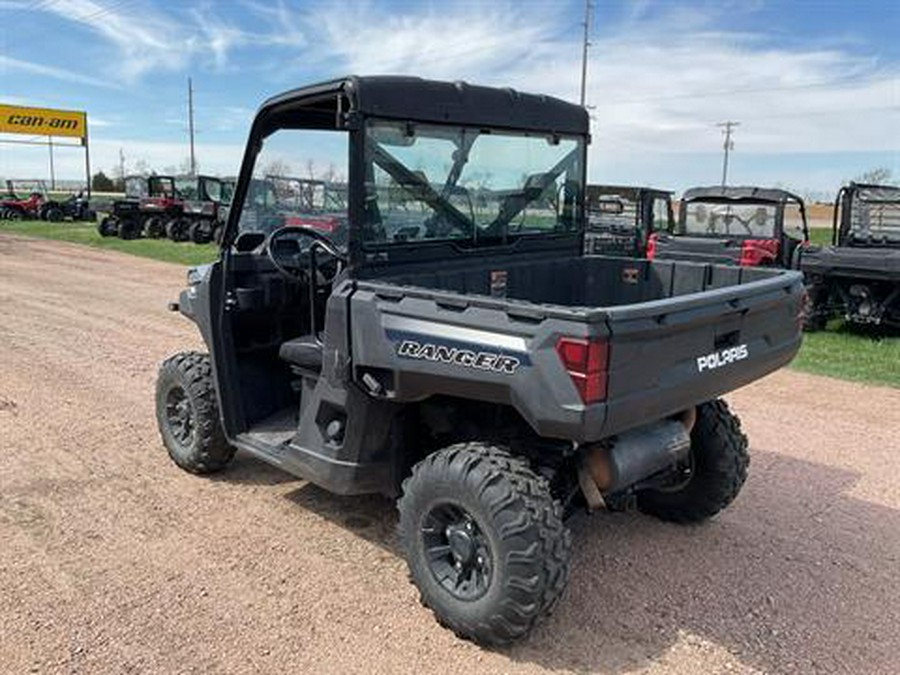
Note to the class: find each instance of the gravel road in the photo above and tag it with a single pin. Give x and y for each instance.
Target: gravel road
(114, 561)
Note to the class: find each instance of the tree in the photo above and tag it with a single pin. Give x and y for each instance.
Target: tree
(100, 182)
(276, 167)
(878, 176)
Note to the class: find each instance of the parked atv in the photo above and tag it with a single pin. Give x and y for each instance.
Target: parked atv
(151, 203)
(127, 211)
(162, 210)
(746, 226)
(621, 219)
(858, 276)
(76, 207)
(466, 361)
(13, 206)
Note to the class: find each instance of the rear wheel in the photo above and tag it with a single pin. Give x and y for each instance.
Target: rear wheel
(177, 229)
(814, 308)
(217, 233)
(484, 541)
(54, 214)
(199, 232)
(154, 228)
(187, 413)
(718, 469)
(107, 227)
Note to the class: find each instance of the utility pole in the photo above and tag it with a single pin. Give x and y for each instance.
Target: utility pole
(191, 125)
(52, 172)
(588, 7)
(728, 146)
(122, 165)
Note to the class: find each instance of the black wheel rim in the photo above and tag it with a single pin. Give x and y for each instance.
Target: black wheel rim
(457, 552)
(180, 415)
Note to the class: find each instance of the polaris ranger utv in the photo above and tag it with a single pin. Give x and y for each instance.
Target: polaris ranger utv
(621, 219)
(461, 353)
(858, 276)
(746, 226)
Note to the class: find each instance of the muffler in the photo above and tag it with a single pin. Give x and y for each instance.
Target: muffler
(613, 465)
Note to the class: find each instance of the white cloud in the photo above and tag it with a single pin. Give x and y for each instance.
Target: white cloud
(9, 64)
(657, 87)
(148, 40)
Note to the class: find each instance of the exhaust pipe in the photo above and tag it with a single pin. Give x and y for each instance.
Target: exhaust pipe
(610, 466)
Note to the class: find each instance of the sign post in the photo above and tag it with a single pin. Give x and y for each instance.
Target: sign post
(15, 119)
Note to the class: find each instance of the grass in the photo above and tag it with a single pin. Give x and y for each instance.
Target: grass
(820, 235)
(186, 253)
(851, 354)
(841, 351)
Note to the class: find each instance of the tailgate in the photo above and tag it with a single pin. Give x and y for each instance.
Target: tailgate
(671, 354)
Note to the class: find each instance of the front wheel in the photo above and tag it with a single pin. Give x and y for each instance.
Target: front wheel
(187, 413)
(484, 541)
(717, 471)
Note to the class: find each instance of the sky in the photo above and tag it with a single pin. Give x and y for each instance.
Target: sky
(815, 84)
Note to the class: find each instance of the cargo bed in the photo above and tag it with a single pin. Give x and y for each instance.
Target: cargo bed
(659, 318)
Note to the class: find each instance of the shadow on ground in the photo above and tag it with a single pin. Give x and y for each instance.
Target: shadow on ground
(796, 577)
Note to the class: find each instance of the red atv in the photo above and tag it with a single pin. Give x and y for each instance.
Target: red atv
(746, 226)
(14, 207)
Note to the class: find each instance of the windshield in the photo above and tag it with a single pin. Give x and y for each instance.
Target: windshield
(733, 219)
(429, 182)
(211, 189)
(227, 191)
(875, 214)
(136, 186)
(161, 187)
(611, 213)
(187, 188)
(299, 179)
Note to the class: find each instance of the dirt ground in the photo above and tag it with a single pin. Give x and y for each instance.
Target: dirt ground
(114, 561)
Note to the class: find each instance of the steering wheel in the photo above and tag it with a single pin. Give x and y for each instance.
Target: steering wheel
(320, 241)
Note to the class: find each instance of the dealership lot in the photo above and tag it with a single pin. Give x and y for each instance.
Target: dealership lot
(116, 561)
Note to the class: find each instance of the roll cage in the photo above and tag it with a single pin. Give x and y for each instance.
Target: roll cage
(344, 105)
(887, 196)
(775, 197)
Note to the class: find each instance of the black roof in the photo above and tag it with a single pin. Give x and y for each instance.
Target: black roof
(413, 98)
(746, 193)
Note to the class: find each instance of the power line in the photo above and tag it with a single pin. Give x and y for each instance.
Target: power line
(728, 146)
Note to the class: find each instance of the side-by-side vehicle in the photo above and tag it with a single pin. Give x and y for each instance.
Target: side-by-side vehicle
(858, 276)
(459, 351)
(746, 226)
(619, 219)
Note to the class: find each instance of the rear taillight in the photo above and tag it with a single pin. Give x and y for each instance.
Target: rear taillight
(758, 252)
(586, 361)
(651, 246)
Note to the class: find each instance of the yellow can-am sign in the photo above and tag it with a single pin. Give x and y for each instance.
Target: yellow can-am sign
(16, 119)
